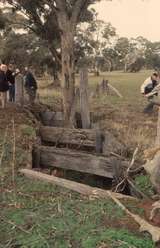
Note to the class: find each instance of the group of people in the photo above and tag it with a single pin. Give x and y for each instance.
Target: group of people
(150, 89)
(16, 86)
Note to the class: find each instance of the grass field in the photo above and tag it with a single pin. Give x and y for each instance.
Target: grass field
(37, 215)
(127, 83)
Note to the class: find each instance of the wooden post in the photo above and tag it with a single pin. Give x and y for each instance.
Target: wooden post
(75, 108)
(84, 99)
(99, 139)
(103, 87)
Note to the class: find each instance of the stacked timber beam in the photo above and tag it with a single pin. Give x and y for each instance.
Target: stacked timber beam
(81, 139)
(76, 159)
(51, 157)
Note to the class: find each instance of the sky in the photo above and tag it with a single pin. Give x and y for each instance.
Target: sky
(132, 18)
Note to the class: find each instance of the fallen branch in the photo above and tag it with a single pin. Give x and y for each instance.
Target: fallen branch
(133, 160)
(136, 171)
(144, 225)
(126, 180)
(71, 185)
(155, 209)
(115, 90)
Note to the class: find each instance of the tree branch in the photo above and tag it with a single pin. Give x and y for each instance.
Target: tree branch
(78, 8)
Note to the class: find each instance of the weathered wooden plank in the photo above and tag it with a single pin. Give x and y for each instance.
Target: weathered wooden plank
(78, 161)
(81, 138)
(50, 118)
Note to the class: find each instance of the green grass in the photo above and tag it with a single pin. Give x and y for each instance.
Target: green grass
(47, 216)
(118, 239)
(127, 83)
(143, 183)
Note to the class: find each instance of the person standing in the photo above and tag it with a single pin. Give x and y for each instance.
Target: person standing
(147, 87)
(19, 88)
(4, 86)
(11, 81)
(30, 85)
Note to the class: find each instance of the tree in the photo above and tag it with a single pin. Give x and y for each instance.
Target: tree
(152, 55)
(54, 20)
(24, 49)
(90, 42)
(111, 58)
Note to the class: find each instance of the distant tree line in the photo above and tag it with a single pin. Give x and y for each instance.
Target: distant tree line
(64, 35)
(96, 44)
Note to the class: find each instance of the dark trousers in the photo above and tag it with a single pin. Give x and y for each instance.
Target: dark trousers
(149, 108)
(12, 93)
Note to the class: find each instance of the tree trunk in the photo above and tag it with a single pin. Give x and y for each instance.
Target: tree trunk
(152, 167)
(68, 73)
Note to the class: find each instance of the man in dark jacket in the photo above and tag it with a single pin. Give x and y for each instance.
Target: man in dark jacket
(11, 80)
(3, 85)
(30, 85)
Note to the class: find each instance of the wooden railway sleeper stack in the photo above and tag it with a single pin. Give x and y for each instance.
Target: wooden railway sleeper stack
(67, 149)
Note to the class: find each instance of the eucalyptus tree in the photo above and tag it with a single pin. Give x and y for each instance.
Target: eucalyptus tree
(56, 21)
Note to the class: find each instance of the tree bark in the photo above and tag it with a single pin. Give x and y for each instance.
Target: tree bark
(78, 161)
(152, 167)
(74, 186)
(68, 66)
(67, 21)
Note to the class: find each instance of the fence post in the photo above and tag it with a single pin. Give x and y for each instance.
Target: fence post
(84, 99)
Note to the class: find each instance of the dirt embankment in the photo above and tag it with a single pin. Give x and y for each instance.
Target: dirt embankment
(16, 122)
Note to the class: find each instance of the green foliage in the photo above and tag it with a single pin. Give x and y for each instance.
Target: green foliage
(144, 184)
